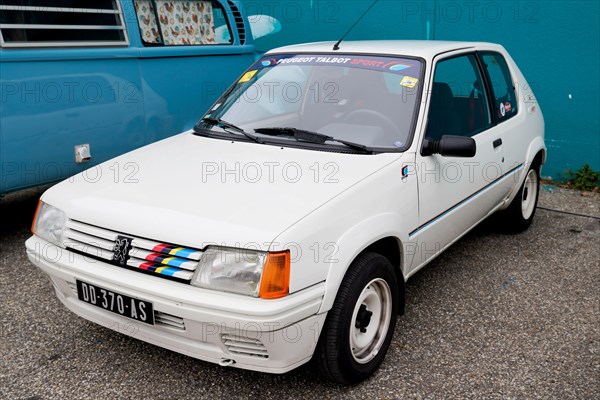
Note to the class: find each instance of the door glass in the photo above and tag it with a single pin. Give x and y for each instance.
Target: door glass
(458, 104)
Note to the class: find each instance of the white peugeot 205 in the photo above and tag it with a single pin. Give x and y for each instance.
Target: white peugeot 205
(284, 225)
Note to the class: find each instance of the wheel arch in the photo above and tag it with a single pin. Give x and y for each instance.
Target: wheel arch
(536, 153)
(539, 159)
(388, 245)
(391, 248)
(536, 156)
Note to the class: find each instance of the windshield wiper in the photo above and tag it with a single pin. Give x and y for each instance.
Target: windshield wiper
(228, 125)
(311, 137)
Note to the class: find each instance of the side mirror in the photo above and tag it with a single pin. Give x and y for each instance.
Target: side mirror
(450, 146)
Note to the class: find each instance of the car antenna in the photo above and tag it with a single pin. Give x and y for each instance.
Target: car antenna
(336, 46)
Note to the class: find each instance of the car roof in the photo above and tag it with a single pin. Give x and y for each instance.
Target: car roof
(417, 48)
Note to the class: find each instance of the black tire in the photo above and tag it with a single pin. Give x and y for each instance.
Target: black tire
(519, 214)
(340, 355)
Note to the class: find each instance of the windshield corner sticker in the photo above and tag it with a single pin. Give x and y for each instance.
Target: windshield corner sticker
(502, 109)
(247, 76)
(409, 82)
(508, 107)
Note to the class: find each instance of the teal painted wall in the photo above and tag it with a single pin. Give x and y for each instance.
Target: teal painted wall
(555, 43)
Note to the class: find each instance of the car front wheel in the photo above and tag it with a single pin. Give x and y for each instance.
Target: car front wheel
(360, 325)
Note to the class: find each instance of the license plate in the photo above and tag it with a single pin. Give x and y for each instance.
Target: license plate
(117, 303)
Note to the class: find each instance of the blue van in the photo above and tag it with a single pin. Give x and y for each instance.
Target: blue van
(83, 81)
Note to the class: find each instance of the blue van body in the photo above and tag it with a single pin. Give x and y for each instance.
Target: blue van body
(114, 98)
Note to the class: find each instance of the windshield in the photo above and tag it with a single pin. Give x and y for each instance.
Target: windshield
(365, 100)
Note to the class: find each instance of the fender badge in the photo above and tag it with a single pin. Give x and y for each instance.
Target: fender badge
(405, 171)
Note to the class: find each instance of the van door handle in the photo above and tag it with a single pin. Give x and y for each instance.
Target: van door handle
(497, 143)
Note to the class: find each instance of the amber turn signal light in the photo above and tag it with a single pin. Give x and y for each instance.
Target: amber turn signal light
(275, 282)
(37, 210)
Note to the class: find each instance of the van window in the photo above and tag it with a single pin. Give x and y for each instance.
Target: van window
(181, 22)
(61, 23)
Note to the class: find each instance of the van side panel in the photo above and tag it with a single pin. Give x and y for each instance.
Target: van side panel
(180, 83)
(49, 106)
(193, 76)
(189, 97)
(115, 99)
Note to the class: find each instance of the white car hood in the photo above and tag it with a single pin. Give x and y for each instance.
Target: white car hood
(178, 191)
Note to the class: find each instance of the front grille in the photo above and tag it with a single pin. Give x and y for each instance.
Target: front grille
(159, 259)
(244, 346)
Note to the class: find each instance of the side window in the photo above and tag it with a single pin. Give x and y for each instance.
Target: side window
(458, 104)
(61, 23)
(182, 22)
(505, 104)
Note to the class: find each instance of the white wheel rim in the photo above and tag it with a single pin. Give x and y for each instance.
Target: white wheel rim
(529, 195)
(365, 342)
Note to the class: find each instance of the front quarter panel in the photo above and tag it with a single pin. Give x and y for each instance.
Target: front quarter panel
(325, 242)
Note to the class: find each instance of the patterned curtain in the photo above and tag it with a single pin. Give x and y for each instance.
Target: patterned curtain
(181, 22)
(147, 21)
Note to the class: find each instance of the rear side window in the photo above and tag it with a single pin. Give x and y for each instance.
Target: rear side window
(61, 23)
(505, 104)
(182, 22)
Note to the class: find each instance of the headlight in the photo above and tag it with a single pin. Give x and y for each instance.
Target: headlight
(249, 272)
(49, 223)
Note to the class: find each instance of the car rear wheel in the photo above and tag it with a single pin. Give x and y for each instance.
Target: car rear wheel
(519, 215)
(360, 325)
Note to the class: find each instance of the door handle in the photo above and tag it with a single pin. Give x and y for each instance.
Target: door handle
(497, 143)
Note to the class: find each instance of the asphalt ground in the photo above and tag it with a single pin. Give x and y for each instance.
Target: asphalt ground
(495, 317)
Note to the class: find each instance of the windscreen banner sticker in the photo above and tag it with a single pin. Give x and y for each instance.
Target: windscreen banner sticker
(247, 76)
(394, 65)
(409, 82)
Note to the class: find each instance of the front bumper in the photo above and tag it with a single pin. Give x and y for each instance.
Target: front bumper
(272, 336)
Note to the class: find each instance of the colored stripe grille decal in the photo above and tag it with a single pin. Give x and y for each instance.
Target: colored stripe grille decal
(174, 251)
(172, 261)
(164, 270)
